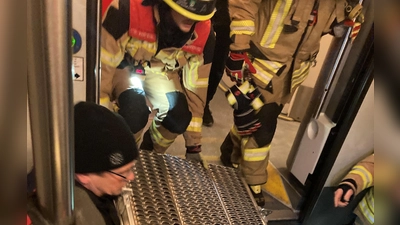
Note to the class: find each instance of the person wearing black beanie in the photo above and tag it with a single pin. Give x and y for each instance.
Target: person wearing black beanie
(105, 153)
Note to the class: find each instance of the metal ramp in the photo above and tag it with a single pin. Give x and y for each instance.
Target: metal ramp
(169, 190)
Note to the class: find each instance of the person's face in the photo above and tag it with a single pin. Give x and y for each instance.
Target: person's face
(109, 182)
(184, 23)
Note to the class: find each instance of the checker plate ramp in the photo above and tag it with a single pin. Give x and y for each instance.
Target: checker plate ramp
(172, 191)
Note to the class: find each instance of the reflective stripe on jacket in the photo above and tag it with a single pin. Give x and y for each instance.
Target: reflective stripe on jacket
(284, 39)
(138, 38)
(363, 175)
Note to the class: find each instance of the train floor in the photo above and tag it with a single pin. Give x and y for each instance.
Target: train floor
(283, 197)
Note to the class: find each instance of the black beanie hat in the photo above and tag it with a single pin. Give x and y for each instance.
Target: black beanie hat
(103, 140)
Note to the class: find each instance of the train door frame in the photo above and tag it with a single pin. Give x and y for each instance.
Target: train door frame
(50, 95)
(357, 76)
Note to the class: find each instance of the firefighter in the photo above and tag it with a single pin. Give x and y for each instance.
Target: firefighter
(358, 179)
(169, 45)
(277, 41)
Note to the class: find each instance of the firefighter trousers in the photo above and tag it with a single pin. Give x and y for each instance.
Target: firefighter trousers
(157, 87)
(251, 152)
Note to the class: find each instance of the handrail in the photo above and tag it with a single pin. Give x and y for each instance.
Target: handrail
(51, 106)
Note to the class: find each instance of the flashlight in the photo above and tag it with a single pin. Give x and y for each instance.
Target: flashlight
(137, 77)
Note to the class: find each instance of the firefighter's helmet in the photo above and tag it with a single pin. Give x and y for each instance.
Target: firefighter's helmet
(198, 10)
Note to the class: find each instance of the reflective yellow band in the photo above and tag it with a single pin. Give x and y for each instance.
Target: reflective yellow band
(276, 23)
(192, 77)
(195, 124)
(241, 32)
(257, 103)
(367, 207)
(246, 24)
(157, 137)
(273, 66)
(301, 74)
(365, 175)
(231, 99)
(262, 75)
(245, 87)
(242, 27)
(105, 102)
(256, 154)
(111, 59)
(134, 44)
(256, 188)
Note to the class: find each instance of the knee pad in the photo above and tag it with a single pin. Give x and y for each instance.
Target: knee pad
(133, 108)
(178, 116)
(267, 116)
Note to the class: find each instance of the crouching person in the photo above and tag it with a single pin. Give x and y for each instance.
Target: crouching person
(105, 153)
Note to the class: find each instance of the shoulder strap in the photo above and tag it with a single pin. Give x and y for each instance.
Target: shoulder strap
(141, 25)
(202, 31)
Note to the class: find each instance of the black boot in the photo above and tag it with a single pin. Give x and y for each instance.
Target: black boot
(208, 120)
(226, 151)
(147, 143)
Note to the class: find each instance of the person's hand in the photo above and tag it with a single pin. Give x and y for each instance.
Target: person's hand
(236, 64)
(343, 195)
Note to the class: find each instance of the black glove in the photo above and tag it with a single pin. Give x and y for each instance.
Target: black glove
(133, 108)
(346, 187)
(245, 100)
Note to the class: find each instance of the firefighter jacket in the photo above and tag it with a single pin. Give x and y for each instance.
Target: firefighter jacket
(129, 27)
(284, 37)
(363, 175)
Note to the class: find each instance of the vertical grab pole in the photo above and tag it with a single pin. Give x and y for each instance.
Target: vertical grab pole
(51, 106)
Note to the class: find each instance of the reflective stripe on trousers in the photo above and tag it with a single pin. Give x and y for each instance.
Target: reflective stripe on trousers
(366, 206)
(254, 154)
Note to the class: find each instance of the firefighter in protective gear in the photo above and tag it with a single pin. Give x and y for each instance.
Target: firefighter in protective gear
(281, 37)
(171, 44)
(358, 179)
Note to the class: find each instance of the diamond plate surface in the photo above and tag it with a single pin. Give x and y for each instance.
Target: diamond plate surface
(235, 196)
(173, 191)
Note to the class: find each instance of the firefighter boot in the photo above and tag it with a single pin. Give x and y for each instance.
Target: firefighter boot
(208, 120)
(256, 191)
(147, 143)
(226, 151)
(193, 153)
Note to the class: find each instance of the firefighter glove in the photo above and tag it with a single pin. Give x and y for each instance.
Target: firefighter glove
(236, 65)
(245, 100)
